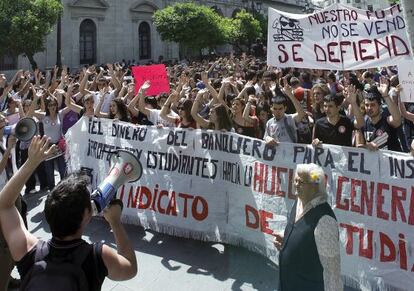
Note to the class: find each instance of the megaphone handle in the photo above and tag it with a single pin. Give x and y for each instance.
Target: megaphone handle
(95, 208)
(103, 195)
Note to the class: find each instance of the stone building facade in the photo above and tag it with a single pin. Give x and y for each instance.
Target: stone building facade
(100, 31)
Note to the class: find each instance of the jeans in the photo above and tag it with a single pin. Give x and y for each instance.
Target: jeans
(50, 170)
(40, 172)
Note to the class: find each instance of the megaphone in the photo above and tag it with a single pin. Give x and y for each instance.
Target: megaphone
(23, 130)
(125, 168)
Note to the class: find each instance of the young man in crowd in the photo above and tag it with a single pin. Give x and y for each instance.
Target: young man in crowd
(335, 128)
(380, 130)
(282, 127)
(67, 211)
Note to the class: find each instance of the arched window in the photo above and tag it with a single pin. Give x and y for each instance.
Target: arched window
(237, 10)
(144, 33)
(87, 42)
(217, 10)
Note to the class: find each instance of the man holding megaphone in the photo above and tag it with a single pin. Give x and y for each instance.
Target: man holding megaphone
(68, 210)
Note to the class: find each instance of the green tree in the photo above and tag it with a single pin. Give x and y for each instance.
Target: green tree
(243, 29)
(194, 26)
(263, 20)
(24, 25)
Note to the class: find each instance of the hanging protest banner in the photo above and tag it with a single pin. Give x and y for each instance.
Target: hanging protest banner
(221, 186)
(406, 78)
(156, 74)
(338, 38)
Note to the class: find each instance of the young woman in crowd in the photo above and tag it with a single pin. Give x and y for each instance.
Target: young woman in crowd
(88, 105)
(318, 92)
(219, 118)
(263, 113)
(51, 119)
(184, 118)
(244, 123)
(117, 108)
(24, 147)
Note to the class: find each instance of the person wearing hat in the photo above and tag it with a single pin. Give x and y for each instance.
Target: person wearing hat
(380, 128)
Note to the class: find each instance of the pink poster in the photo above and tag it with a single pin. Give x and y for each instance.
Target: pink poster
(156, 74)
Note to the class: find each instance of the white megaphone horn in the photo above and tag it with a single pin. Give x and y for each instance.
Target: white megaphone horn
(125, 168)
(23, 130)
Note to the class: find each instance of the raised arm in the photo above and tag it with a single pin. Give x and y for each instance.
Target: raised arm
(114, 79)
(166, 108)
(69, 101)
(94, 85)
(220, 96)
(352, 99)
(21, 111)
(242, 93)
(300, 113)
(121, 264)
(98, 108)
(18, 238)
(203, 123)
(206, 82)
(246, 114)
(395, 118)
(82, 86)
(141, 98)
(32, 109)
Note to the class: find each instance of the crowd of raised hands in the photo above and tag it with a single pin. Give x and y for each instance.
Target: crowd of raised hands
(237, 94)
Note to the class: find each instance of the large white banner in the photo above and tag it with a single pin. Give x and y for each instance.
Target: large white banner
(225, 187)
(338, 38)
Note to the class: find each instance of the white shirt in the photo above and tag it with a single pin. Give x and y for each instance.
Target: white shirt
(277, 129)
(327, 242)
(109, 96)
(155, 118)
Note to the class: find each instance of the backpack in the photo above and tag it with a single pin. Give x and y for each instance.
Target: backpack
(52, 273)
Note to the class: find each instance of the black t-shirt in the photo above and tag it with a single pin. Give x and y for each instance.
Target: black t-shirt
(244, 130)
(338, 134)
(142, 119)
(409, 125)
(372, 131)
(93, 266)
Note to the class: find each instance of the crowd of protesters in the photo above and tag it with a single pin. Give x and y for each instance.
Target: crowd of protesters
(236, 94)
(239, 94)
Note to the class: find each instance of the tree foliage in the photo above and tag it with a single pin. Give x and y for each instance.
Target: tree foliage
(197, 26)
(193, 25)
(263, 20)
(24, 25)
(244, 29)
